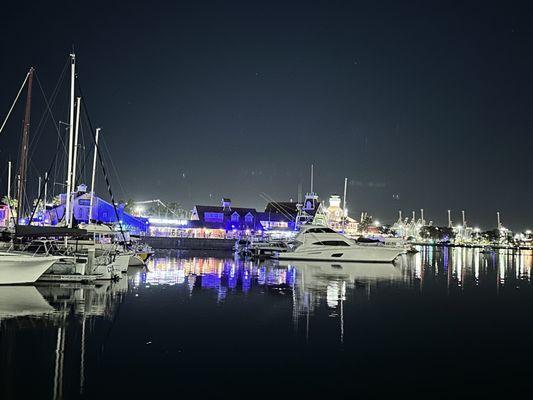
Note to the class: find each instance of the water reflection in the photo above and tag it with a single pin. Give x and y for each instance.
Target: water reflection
(69, 328)
(59, 313)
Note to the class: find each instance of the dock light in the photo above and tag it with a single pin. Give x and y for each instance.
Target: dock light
(528, 232)
(376, 223)
(139, 209)
(477, 230)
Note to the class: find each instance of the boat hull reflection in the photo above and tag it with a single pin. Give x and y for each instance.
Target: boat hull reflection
(22, 301)
(344, 270)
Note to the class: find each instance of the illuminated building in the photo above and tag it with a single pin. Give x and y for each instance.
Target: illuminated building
(336, 217)
(216, 220)
(103, 212)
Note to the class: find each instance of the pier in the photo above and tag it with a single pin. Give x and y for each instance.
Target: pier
(177, 243)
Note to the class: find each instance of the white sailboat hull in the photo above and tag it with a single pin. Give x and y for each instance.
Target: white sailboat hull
(366, 254)
(21, 268)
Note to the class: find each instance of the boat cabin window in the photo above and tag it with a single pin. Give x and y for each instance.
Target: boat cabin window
(320, 230)
(331, 243)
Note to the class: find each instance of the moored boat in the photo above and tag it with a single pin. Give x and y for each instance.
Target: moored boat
(320, 243)
(18, 267)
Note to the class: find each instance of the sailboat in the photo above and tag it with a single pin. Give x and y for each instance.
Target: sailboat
(20, 267)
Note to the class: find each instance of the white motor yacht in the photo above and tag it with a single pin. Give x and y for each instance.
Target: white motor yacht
(320, 243)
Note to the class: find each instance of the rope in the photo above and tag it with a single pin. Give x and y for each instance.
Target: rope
(14, 102)
(53, 97)
(280, 209)
(106, 149)
(101, 161)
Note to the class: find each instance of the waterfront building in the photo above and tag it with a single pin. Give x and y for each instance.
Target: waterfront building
(338, 218)
(102, 212)
(226, 221)
(237, 220)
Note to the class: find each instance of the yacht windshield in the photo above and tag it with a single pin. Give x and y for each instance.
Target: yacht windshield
(331, 243)
(320, 230)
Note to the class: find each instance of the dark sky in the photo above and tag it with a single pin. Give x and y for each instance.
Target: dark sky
(420, 104)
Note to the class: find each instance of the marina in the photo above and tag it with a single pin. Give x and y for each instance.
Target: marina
(349, 325)
(245, 198)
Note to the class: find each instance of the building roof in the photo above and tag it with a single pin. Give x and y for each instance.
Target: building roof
(219, 209)
(227, 223)
(287, 207)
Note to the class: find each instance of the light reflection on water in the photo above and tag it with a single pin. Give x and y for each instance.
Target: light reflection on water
(82, 330)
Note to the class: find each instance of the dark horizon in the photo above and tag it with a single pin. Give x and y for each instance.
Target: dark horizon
(419, 106)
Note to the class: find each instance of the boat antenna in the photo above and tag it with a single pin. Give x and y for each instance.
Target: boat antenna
(312, 167)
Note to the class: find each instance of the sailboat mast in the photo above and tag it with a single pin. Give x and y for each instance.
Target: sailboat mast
(23, 164)
(71, 137)
(93, 174)
(45, 188)
(9, 181)
(344, 206)
(75, 149)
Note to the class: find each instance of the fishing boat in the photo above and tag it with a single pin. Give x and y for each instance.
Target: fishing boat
(19, 267)
(320, 243)
(78, 258)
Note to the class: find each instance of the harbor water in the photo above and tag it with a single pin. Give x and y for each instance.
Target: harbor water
(442, 323)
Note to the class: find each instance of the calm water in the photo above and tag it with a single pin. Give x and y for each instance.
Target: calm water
(445, 323)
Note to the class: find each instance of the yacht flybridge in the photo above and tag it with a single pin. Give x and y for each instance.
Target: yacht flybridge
(320, 243)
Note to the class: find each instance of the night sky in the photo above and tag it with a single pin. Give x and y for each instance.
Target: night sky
(420, 104)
